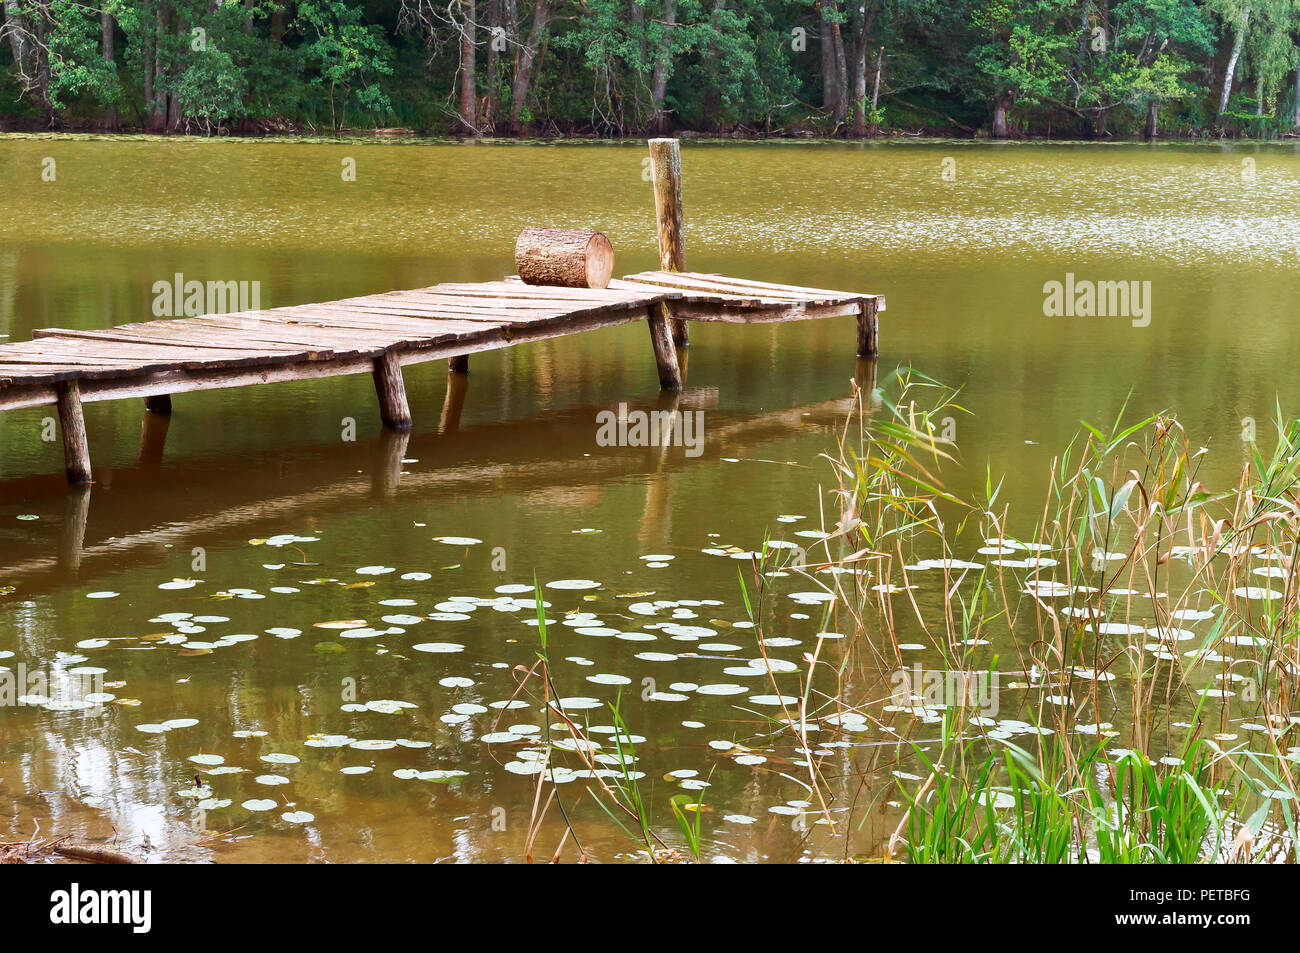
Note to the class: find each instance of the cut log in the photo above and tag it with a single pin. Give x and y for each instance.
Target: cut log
(563, 257)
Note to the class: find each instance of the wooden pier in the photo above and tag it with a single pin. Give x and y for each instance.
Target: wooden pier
(380, 334)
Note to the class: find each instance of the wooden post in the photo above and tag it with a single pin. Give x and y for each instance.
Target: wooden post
(666, 169)
(458, 364)
(670, 374)
(158, 404)
(393, 409)
(76, 448)
(868, 329)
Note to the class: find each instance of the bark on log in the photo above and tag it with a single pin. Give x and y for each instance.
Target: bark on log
(564, 257)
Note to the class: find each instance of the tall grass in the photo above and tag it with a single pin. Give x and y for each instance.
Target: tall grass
(1144, 732)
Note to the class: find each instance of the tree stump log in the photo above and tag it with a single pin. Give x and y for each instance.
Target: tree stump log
(564, 257)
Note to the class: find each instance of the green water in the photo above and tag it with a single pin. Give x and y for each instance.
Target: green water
(962, 258)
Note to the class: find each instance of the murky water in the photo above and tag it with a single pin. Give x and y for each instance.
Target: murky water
(250, 518)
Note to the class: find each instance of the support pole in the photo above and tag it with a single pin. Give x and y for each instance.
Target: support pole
(868, 329)
(670, 374)
(158, 404)
(666, 169)
(76, 448)
(393, 409)
(458, 364)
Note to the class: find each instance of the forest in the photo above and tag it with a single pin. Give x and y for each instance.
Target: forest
(1079, 69)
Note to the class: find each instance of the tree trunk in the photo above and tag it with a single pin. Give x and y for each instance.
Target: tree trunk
(1153, 111)
(468, 63)
(1000, 106)
(16, 27)
(40, 54)
(106, 37)
(830, 87)
(663, 68)
(156, 68)
(841, 77)
(1232, 62)
(862, 24)
(493, 59)
(529, 58)
(174, 107)
(875, 85)
(1295, 115)
(712, 95)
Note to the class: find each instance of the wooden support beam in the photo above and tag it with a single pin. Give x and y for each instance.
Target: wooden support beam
(666, 173)
(868, 329)
(158, 404)
(76, 448)
(458, 364)
(391, 390)
(670, 374)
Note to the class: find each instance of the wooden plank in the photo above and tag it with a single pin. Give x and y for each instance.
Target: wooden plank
(189, 340)
(707, 295)
(430, 329)
(748, 286)
(497, 315)
(797, 312)
(515, 287)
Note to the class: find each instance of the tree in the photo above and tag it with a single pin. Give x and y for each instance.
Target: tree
(1022, 56)
(348, 55)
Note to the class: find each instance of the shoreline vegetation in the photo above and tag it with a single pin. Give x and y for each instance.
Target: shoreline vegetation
(1138, 668)
(1104, 70)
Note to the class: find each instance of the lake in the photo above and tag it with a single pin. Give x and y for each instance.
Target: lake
(212, 560)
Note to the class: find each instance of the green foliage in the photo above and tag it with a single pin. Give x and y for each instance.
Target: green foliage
(626, 67)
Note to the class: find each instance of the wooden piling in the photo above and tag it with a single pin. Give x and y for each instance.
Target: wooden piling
(393, 408)
(72, 422)
(158, 403)
(458, 364)
(868, 329)
(670, 374)
(666, 173)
